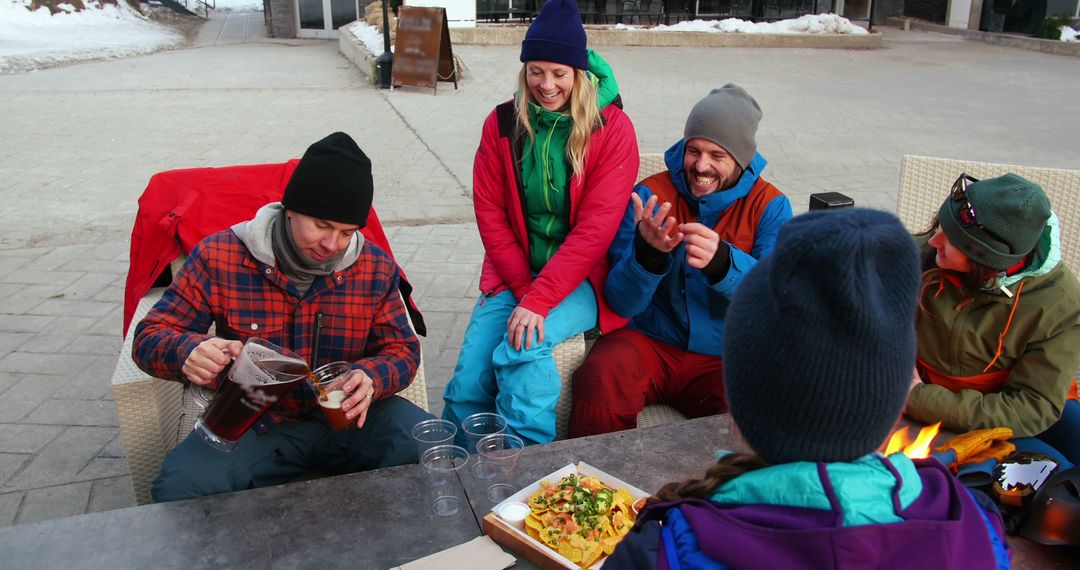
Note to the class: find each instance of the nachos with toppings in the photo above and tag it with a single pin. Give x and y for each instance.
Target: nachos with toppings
(580, 517)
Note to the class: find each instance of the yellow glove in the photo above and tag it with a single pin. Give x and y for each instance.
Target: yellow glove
(979, 445)
(999, 450)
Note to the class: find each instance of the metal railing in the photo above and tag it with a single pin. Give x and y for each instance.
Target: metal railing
(207, 5)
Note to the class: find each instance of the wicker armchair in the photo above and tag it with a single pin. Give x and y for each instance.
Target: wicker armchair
(571, 353)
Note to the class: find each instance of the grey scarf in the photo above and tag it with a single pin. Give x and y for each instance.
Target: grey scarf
(269, 239)
(299, 268)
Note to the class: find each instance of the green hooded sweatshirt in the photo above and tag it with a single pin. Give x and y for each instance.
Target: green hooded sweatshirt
(546, 170)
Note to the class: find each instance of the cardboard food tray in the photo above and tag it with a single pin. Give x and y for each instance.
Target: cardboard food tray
(528, 547)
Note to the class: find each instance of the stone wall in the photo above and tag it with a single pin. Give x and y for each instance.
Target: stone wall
(282, 22)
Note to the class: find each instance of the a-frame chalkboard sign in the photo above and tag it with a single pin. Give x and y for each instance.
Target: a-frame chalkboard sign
(422, 54)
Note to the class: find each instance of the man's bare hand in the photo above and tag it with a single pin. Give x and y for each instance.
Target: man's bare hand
(361, 390)
(655, 229)
(701, 244)
(208, 360)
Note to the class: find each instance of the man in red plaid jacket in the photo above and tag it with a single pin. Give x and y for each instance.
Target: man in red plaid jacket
(301, 276)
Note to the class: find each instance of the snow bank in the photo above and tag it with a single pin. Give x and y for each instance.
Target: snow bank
(808, 24)
(31, 40)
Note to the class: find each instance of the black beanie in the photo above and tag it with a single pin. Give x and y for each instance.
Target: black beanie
(1010, 216)
(332, 182)
(819, 341)
(557, 35)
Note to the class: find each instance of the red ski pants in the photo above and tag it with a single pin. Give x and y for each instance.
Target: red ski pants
(626, 370)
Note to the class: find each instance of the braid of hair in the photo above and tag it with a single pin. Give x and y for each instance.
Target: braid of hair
(727, 468)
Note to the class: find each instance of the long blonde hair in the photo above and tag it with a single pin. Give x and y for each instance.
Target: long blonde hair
(584, 115)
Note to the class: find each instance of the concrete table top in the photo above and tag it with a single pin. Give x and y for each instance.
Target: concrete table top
(378, 519)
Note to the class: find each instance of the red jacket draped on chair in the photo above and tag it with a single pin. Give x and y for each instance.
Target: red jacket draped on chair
(181, 207)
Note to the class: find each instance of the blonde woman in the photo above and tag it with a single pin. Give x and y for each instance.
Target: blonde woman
(551, 180)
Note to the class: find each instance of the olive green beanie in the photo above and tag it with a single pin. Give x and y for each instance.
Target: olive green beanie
(1010, 216)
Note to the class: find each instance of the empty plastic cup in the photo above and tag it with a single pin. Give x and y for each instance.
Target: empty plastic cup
(442, 464)
(479, 425)
(429, 433)
(497, 461)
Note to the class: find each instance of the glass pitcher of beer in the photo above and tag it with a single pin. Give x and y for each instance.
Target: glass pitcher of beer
(262, 373)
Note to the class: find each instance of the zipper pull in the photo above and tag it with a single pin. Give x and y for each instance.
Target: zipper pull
(318, 340)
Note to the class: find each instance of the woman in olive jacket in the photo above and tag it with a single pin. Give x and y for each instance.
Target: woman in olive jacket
(999, 320)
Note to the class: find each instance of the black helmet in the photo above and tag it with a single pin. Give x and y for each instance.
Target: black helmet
(1020, 476)
(1054, 517)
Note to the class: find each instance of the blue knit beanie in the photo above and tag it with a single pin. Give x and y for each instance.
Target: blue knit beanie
(820, 337)
(557, 35)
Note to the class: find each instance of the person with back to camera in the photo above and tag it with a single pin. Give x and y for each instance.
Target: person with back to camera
(817, 367)
(999, 319)
(686, 241)
(551, 180)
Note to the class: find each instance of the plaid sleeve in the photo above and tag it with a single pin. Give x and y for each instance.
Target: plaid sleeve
(392, 352)
(177, 323)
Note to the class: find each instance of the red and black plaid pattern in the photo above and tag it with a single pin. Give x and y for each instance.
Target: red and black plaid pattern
(362, 318)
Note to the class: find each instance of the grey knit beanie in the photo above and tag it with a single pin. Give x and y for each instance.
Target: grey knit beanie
(1010, 216)
(729, 117)
(819, 339)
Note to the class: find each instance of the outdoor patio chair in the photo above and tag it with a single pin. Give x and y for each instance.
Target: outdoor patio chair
(570, 353)
(176, 211)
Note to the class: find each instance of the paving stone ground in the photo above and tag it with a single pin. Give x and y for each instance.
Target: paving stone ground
(81, 141)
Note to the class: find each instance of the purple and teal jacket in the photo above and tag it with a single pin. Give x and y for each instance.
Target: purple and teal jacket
(818, 515)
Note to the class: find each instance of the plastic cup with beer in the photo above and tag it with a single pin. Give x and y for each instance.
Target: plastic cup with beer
(329, 383)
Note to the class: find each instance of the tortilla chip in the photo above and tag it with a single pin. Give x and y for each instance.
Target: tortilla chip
(572, 553)
(592, 554)
(532, 521)
(610, 543)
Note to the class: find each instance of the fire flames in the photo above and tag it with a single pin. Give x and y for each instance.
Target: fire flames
(914, 449)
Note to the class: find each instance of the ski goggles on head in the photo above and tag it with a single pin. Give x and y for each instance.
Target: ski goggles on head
(966, 214)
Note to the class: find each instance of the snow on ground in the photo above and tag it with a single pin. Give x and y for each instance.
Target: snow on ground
(370, 36)
(31, 40)
(808, 24)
